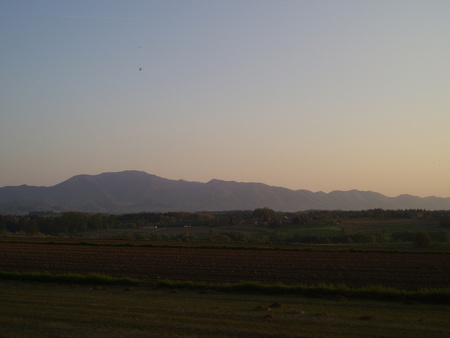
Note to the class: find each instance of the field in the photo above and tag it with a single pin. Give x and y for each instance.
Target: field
(403, 270)
(369, 230)
(389, 225)
(58, 310)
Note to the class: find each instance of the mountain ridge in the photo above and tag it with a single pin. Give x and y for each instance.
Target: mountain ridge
(137, 191)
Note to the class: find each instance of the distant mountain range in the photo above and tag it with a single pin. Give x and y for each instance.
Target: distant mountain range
(137, 191)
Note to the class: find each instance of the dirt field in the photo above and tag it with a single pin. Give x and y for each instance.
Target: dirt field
(401, 270)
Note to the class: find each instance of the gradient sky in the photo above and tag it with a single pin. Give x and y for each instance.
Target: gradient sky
(317, 95)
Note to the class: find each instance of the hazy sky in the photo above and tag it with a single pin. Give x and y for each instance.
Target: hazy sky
(318, 95)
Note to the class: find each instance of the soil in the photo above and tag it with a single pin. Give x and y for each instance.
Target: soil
(393, 269)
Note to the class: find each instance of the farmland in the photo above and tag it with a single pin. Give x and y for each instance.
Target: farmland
(55, 309)
(367, 277)
(61, 310)
(402, 270)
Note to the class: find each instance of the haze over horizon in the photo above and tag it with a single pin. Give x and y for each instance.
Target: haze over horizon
(317, 95)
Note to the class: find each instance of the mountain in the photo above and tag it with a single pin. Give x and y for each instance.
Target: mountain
(137, 191)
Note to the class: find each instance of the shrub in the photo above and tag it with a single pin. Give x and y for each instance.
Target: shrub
(422, 240)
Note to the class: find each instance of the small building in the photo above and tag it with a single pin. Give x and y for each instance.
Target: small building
(150, 227)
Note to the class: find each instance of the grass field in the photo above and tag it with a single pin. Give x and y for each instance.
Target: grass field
(63, 310)
(389, 225)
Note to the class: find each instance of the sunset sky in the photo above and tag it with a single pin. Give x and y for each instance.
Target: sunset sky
(318, 95)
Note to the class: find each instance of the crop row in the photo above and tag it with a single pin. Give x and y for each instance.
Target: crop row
(400, 270)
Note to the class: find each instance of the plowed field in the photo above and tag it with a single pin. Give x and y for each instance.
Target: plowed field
(401, 270)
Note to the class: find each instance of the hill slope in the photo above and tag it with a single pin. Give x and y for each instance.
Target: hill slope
(136, 191)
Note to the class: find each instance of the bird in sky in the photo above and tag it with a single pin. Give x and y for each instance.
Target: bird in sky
(140, 69)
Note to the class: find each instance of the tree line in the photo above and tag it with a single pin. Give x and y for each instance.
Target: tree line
(420, 239)
(73, 223)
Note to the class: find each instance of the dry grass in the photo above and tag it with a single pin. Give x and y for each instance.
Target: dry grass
(53, 310)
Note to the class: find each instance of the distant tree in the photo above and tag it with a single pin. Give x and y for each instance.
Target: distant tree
(33, 229)
(167, 221)
(277, 237)
(405, 236)
(440, 236)
(445, 221)
(185, 237)
(239, 236)
(274, 224)
(422, 240)
(95, 221)
(72, 222)
(264, 214)
(127, 236)
(302, 219)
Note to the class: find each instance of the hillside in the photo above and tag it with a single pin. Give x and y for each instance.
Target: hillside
(137, 191)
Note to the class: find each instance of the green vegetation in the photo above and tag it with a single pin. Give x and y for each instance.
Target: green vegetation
(387, 228)
(423, 240)
(46, 277)
(59, 310)
(374, 292)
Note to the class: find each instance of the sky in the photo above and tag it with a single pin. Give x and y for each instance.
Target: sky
(318, 95)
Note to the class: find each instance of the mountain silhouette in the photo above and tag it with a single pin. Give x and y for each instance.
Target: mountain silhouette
(136, 191)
